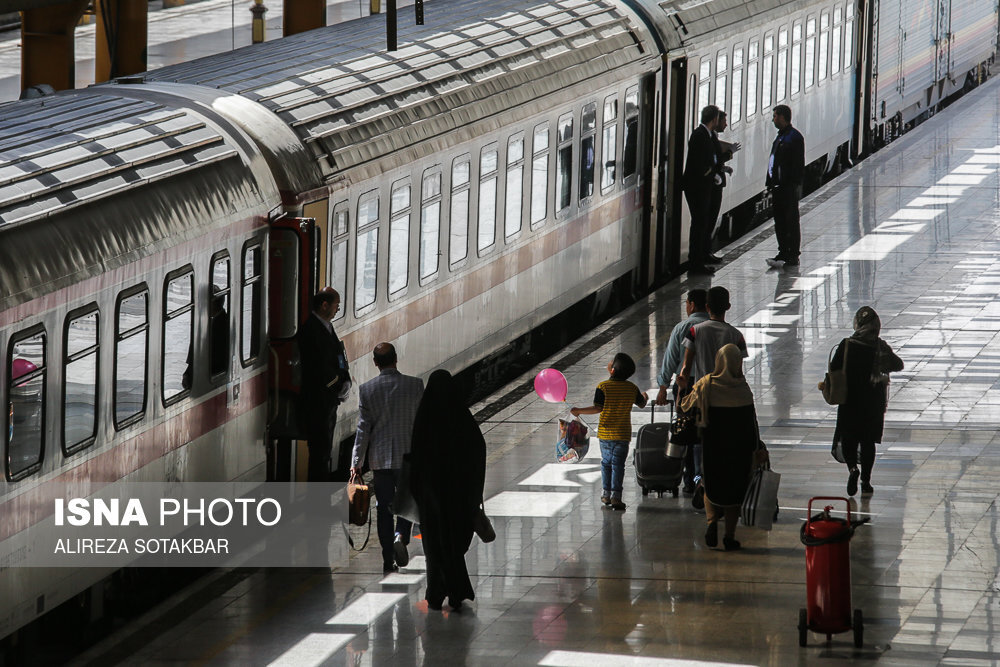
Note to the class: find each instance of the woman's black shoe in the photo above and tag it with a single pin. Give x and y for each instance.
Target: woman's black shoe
(712, 535)
(436, 606)
(730, 543)
(455, 606)
(852, 482)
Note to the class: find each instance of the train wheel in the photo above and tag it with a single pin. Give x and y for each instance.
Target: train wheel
(674, 492)
(803, 628)
(645, 491)
(859, 629)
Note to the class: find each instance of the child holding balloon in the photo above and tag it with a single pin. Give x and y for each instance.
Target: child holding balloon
(613, 400)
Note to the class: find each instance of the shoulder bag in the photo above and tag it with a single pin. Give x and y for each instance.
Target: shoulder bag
(835, 381)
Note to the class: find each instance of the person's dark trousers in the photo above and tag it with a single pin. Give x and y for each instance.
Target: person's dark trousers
(785, 205)
(386, 482)
(699, 203)
(692, 457)
(320, 443)
(867, 457)
(714, 208)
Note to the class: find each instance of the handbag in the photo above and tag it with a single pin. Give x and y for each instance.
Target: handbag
(483, 526)
(403, 503)
(835, 381)
(684, 429)
(760, 502)
(358, 501)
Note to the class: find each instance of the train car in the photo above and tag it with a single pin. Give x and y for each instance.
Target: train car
(161, 235)
(133, 238)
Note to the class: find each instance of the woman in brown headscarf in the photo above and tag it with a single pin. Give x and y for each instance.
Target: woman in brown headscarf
(861, 418)
(447, 473)
(729, 440)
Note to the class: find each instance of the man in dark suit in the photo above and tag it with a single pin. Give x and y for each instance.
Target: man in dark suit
(325, 378)
(700, 177)
(784, 179)
(723, 154)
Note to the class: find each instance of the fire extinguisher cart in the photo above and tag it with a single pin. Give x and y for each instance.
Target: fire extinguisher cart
(828, 574)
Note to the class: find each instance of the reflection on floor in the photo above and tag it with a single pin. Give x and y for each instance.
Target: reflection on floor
(913, 232)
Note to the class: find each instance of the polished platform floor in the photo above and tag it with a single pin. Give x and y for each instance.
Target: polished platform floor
(915, 232)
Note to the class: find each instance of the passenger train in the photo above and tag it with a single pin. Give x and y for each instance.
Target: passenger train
(161, 234)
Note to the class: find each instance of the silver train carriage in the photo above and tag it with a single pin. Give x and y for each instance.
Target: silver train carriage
(509, 160)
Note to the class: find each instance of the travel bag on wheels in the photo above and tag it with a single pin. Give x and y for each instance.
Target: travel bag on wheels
(654, 470)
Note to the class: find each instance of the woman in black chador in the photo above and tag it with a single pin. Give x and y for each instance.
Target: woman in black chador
(448, 470)
(861, 417)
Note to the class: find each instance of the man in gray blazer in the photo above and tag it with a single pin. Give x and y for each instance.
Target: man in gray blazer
(387, 407)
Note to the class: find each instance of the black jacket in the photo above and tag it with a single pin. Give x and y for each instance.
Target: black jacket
(699, 166)
(788, 159)
(324, 365)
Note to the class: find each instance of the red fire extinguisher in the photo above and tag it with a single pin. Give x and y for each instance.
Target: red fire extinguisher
(828, 574)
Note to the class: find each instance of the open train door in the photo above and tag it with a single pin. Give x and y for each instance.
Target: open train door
(293, 257)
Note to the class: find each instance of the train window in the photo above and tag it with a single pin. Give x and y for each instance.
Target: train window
(26, 403)
(366, 251)
(835, 42)
(178, 327)
(736, 108)
(458, 244)
(824, 43)
(721, 74)
(848, 35)
(767, 84)
(338, 253)
(810, 67)
(609, 142)
(251, 296)
(82, 337)
(631, 144)
(588, 141)
(704, 89)
(540, 175)
(399, 236)
(487, 198)
(218, 317)
(564, 160)
(782, 75)
(430, 222)
(514, 193)
(752, 65)
(131, 345)
(796, 58)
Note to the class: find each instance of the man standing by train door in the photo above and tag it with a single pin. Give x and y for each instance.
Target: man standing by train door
(784, 180)
(700, 177)
(325, 379)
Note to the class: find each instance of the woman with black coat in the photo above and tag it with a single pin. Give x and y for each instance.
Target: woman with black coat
(448, 471)
(861, 417)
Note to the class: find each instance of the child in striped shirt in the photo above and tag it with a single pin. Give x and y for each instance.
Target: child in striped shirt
(614, 399)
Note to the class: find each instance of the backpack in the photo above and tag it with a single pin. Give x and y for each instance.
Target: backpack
(835, 381)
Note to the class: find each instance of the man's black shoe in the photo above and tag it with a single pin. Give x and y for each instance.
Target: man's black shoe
(714, 259)
(701, 269)
(791, 262)
(389, 568)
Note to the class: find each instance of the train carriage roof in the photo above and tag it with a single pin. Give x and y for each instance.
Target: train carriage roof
(90, 181)
(472, 62)
(683, 24)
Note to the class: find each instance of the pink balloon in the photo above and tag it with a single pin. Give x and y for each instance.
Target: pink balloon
(551, 386)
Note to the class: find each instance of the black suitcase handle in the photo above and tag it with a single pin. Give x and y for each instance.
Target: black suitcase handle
(652, 410)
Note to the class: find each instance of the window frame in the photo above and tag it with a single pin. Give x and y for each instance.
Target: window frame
(627, 117)
(375, 224)
(222, 376)
(165, 317)
(809, 53)
(537, 154)
(91, 308)
(754, 64)
(406, 212)
(482, 180)
(795, 57)
(250, 244)
(336, 240)
(509, 235)
(737, 70)
(769, 76)
(562, 145)
(609, 124)
(466, 187)
(14, 339)
(141, 414)
(836, 40)
(584, 135)
(439, 199)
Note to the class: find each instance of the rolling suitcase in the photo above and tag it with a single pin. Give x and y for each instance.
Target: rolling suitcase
(654, 470)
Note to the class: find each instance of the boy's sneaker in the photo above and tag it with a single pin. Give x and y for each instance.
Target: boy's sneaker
(617, 504)
(606, 500)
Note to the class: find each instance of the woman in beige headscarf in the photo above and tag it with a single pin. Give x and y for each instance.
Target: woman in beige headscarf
(729, 440)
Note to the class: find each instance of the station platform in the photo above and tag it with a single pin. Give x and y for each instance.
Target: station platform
(913, 231)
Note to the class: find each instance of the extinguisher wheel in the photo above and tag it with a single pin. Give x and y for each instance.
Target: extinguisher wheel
(859, 629)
